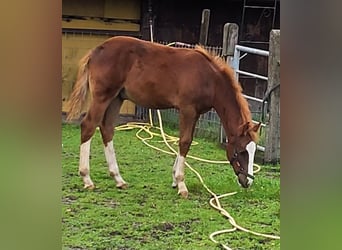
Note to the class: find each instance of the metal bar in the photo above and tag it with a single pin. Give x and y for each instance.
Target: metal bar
(244, 55)
(274, 13)
(262, 124)
(242, 19)
(260, 148)
(259, 7)
(254, 42)
(252, 74)
(253, 98)
(252, 50)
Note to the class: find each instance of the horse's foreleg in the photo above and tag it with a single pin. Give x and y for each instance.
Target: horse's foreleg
(175, 167)
(107, 132)
(187, 121)
(178, 176)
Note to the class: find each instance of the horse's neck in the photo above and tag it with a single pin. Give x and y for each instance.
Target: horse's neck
(228, 110)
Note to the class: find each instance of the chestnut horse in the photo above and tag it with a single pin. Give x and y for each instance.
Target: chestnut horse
(160, 77)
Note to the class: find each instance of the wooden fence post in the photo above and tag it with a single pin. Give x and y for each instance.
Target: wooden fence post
(230, 39)
(272, 147)
(203, 39)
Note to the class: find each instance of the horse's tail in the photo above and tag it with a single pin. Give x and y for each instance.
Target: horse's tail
(80, 90)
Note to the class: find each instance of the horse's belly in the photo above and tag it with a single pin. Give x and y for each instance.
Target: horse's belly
(150, 99)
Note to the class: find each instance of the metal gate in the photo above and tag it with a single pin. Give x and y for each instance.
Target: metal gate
(235, 64)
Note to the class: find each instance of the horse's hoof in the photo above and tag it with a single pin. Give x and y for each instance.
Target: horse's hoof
(184, 194)
(174, 185)
(89, 187)
(122, 185)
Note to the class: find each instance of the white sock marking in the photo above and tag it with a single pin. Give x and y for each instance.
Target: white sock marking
(84, 154)
(180, 166)
(112, 163)
(250, 147)
(174, 168)
(110, 155)
(179, 175)
(84, 163)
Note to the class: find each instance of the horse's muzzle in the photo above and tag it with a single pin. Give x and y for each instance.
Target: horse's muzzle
(244, 181)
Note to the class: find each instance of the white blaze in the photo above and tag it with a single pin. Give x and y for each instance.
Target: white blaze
(250, 147)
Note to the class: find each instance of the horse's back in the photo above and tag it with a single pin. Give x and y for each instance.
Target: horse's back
(154, 75)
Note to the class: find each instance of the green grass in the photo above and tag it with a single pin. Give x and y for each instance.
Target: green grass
(150, 214)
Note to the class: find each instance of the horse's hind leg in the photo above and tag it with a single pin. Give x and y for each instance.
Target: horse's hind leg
(187, 122)
(107, 132)
(88, 126)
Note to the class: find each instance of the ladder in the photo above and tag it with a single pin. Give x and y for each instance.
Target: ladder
(266, 7)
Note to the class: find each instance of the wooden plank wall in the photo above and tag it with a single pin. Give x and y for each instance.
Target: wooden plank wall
(101, 15)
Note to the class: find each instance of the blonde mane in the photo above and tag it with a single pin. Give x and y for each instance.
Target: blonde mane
(229, 72)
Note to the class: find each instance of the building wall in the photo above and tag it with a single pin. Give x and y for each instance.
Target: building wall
(181, 20)
(86, 24)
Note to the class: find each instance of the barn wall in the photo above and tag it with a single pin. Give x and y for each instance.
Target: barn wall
(180, 21)
(86, 24)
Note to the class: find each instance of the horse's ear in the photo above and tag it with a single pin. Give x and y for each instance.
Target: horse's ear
(245, 128)
(256, 127)
(248, 127)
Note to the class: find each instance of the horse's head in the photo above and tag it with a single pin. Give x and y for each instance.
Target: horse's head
(240, 152)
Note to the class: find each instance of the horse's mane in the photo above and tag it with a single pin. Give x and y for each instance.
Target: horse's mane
(228, 71)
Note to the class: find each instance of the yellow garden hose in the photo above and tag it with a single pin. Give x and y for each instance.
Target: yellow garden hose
(215, 201)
